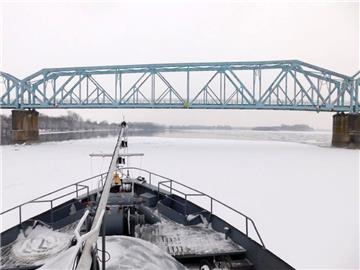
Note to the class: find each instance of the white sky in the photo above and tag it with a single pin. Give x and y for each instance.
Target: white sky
(38, 35)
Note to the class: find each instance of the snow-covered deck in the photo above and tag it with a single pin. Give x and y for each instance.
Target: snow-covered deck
(36, 246)
(182, 241)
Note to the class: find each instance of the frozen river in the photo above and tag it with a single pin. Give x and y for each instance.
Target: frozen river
(304, 198)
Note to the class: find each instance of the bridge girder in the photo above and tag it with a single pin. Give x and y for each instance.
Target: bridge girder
(275, 85)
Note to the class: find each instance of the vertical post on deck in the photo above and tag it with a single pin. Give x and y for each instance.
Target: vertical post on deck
(103, 243)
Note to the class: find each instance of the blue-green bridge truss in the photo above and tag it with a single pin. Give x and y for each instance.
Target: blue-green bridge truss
(276, 85)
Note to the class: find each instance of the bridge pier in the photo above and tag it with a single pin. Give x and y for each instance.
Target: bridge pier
(346, 130)
(24, 126)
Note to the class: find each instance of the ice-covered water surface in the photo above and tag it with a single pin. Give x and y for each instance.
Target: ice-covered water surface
(303, 198)
(322, 138)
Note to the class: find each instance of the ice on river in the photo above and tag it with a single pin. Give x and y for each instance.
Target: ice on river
(303, 198)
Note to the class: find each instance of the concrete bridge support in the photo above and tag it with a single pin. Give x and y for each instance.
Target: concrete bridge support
(24, 126)
(346, 130)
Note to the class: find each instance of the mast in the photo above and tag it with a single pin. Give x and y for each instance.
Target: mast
(86, 256)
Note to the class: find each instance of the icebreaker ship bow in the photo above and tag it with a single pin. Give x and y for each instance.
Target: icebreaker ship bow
(135, 219)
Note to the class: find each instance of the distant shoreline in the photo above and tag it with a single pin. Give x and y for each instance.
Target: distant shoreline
(49, 136)
(72, 126)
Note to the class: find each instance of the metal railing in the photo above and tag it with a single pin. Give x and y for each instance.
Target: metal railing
(165, 182)
(195, 192)
(79, 187)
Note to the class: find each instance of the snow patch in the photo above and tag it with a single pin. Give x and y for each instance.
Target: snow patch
(38, 244)
(133, 253)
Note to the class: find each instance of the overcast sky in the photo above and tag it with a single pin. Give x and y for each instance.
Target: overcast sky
(38, 35)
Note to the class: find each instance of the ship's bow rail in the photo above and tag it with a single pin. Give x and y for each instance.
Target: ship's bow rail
(168, 187)
(51, 201)
(165, 186)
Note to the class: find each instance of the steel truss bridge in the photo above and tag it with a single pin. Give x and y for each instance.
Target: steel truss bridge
(276, 85)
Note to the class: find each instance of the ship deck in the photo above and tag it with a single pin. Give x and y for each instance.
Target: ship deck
(182, 242)
(190, 241)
